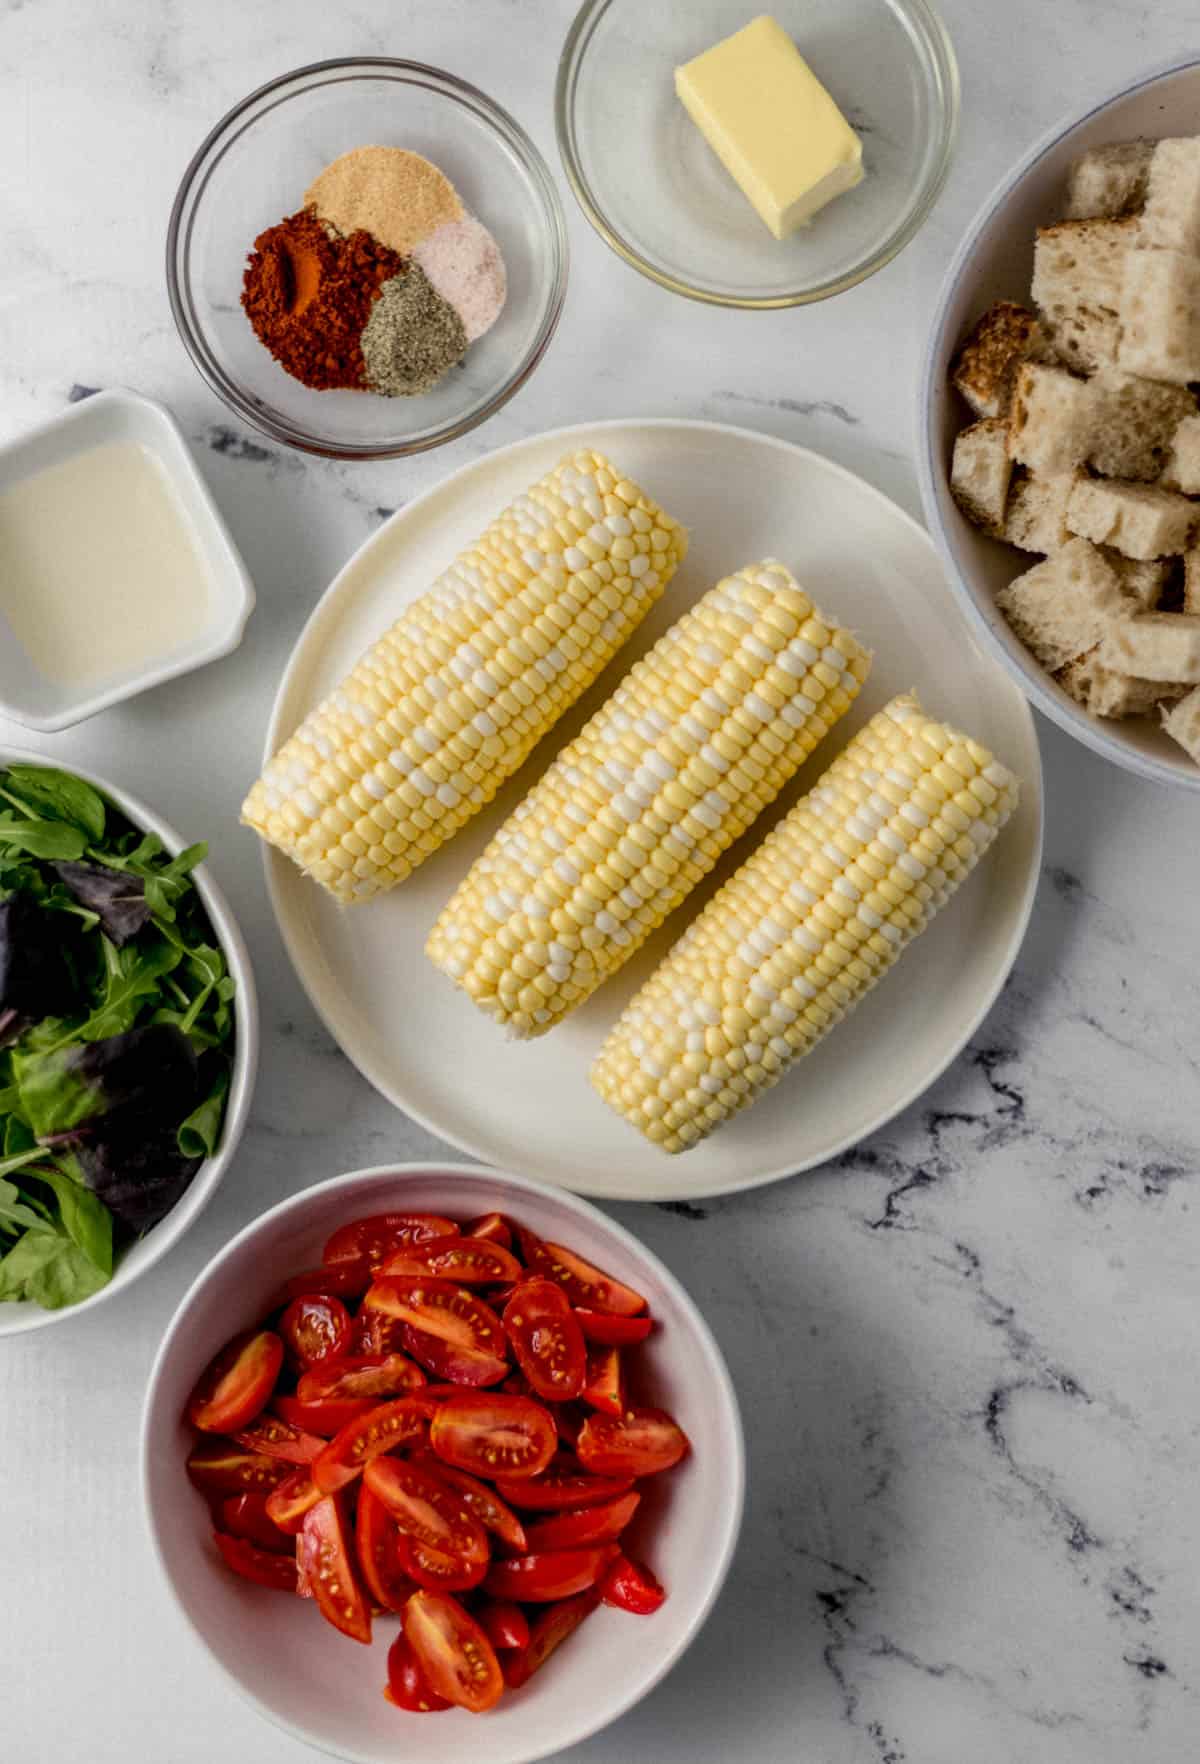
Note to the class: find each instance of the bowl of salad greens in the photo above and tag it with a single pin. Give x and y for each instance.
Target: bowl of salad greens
(128, 1039)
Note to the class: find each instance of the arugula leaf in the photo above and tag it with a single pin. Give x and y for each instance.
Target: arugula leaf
(62, 796)
(198, 1135)
(14, 1213)
(43, 839)
(132, 975)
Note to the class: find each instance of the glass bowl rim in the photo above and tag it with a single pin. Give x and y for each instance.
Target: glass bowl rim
(931, 30)
(233, 123)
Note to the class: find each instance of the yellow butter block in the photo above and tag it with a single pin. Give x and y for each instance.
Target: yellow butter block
(772, 124)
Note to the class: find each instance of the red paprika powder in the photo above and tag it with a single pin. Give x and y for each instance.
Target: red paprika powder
(308, 296)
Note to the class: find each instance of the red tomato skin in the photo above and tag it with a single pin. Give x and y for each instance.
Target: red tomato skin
(546, 1340)
(493, 1226)
(324, 1553)
(336, 1280)
(564, 1486)
(407, 1685)
(590, 1525)
(584, 1284)
(324, 1418)
(504, 1624)
(315, 1327)
(469, 1261)
(642, 1442)
(276, 1438)
(492, 1513)
(465, 1430)
(630, 1586)
(555, 1574)
(455, 1656)
(236, 1384)
(374, 1239)
(447, 1329)
(436, 1571)
(381, 1429)
(604, 1388)
(408, 1491)
(219, 1467)
(249, 1516)
(375, 1541)
(548, 1629)
(350, 1377)
(263, 1567)
(608, 1330)
(287, 1504)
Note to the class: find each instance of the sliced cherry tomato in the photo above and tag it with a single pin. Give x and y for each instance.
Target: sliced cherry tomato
(631, 1587)
(237, 1384)
(456, 1657)
(249, 1516)
(493, 1226)
(374, 1334)
(484, 1503)
(324, 1552)
(555, 1574)
(548, 1629)
(287, 1504)
(315, 1326)
(360, 1375)
(376, 1540)
(605, 1386)
(382, 1429)
(263, 1567)
(373, 1240)
(493, 1434)
(219, 1467)
(590, 1525)
(337, 1280)
(325, 1418)
(583, 1283)
(504, 1624)
(469, 1260)
(407, 1685)
(276, 1438)
(608, 1330)
(435, 1570)
(446, 1328)
(546, 1339)
(563, 1486)
(428, 1509)
(638, 1443)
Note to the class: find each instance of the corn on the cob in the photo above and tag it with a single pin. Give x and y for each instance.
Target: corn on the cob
(806, 926)
(445, 707)
(700, 736)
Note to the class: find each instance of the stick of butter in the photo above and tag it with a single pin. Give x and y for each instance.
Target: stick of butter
(772, 124)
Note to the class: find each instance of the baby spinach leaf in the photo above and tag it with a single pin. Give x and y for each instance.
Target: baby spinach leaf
(42, 839)
(26, 1259)
(62, 796)
(198, 1135)
(86, 1220)
(16, 1213)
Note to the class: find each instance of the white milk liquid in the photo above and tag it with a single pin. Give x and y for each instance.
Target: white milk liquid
(99, 570)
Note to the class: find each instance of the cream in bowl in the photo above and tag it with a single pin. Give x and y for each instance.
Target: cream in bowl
(116, 570)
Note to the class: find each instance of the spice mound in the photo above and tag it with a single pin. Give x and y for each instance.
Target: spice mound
(380, 283)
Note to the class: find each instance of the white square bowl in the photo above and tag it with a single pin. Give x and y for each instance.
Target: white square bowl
(27, 695)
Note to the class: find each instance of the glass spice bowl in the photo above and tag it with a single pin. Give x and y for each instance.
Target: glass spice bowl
(254, 168)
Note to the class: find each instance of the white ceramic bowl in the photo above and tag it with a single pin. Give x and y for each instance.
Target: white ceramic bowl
(995, 261)
(137, 1257)
(326, 1690)
(26, 694)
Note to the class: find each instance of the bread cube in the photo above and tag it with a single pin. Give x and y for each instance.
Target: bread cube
(1081, 263)
(1160, 316)
(1154, 646)
(987, 363)
(1183, 723)
(1062, 608)
(1135, 422)
(1106, 182)
(1083, 338)
(1036, 516)
(1137, 520)
(1143, 579)
(980, 472)
(1172, 214)
(1191, 581)
(1105, 693)
(1182, 470)
(1052, 424)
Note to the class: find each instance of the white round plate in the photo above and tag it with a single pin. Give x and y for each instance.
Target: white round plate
(528, 1105)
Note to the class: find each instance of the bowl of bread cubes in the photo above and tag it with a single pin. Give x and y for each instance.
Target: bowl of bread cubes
(1060, 453)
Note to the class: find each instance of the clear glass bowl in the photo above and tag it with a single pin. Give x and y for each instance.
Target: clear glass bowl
(255, 167)
(654, 189)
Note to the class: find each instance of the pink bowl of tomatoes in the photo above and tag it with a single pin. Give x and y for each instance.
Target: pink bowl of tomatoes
(439, 1440)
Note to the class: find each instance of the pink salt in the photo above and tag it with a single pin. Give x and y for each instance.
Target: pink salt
(463, 262)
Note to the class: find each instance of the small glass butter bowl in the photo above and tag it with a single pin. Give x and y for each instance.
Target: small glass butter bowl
(658, 195)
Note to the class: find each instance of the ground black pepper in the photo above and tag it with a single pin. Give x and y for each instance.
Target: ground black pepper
(412, 337)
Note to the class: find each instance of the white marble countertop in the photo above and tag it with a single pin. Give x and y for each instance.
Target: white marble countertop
(967, 1352)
